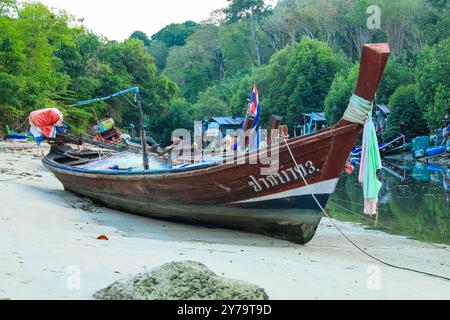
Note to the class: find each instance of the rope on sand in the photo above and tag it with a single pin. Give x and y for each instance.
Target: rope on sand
(345, 236)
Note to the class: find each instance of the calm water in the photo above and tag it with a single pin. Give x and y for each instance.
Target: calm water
(414, 200)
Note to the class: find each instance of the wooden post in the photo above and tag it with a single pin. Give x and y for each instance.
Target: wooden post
(143, 135)
(275, 122)
(249, 121)
(373, 60)
(284, 131)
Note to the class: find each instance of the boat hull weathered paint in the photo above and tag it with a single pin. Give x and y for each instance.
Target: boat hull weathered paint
(228, 195)
(238, 195)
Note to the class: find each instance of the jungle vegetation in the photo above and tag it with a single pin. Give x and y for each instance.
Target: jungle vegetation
(303, 54)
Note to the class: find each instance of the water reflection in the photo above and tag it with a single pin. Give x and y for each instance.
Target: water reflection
(414, 200)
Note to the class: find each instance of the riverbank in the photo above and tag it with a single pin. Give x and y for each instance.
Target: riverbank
(442, 159)
(48, 237)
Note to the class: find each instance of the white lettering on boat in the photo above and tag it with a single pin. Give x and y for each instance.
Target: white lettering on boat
(282, 177)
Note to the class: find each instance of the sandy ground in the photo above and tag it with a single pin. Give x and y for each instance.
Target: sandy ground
(48, 249)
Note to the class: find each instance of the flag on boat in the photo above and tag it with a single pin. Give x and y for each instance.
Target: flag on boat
(253, 107)
(253, 111)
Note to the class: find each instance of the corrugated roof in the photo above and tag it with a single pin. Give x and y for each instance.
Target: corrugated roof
(384, 108)
(228, 120)
(318, 116)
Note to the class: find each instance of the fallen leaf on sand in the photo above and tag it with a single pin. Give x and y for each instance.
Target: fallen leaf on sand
(102, 237)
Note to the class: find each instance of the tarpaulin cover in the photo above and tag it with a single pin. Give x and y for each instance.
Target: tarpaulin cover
(105, 125)
(123, 161)
(46, 121)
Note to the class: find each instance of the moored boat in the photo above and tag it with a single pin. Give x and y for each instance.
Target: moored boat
(392, 147)
(241, 194)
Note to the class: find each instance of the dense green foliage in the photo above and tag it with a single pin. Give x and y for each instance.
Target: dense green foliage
(46, 63)
(433, 81)
(405, 116)
(175, 34)
(139, 35)
(338, 97)
(30, 68)
(302, 54)
(296, 79)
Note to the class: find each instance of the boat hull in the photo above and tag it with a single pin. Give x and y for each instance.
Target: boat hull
(231, 195)
(293, 223)
(393, 147)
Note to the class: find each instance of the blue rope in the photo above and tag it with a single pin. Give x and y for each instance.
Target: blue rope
(85, 102)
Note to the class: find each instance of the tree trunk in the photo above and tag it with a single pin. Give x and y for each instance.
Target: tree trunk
(255, 42)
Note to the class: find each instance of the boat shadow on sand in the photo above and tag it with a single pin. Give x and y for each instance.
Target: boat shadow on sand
(135, 226)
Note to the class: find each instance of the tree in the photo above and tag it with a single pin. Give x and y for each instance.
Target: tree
(10, 105)
(159, 51)
(7, 6)
(311, 69)
(176, 34)
(190, 67)
(433, 83)
(178, 115)
(275, 28)
(45, 61)
(209, 105)
(435, 24)
(234, 42)
(238, 103)
(269, 79)
(395, 74)
(139, 35)
(238, 9)
(30, 38)
(406, 116)
(338, 97)
(199, 63)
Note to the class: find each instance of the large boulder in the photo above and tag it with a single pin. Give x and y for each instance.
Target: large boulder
(184, 280)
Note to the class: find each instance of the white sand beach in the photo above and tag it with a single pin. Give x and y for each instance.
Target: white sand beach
(48, 236)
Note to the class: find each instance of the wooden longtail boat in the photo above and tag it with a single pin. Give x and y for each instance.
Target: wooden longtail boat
(392, 147)
(234, 195)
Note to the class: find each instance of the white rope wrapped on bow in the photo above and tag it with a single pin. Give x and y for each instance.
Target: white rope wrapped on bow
(358, 110)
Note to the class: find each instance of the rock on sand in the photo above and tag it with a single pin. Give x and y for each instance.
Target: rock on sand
(185, 280)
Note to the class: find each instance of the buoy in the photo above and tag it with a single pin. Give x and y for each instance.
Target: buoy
(435, 151)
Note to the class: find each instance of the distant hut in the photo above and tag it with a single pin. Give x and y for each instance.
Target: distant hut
(316, 120)
(223, 124)
(215, 129)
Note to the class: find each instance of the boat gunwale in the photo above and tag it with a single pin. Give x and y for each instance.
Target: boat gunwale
(189, 172)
